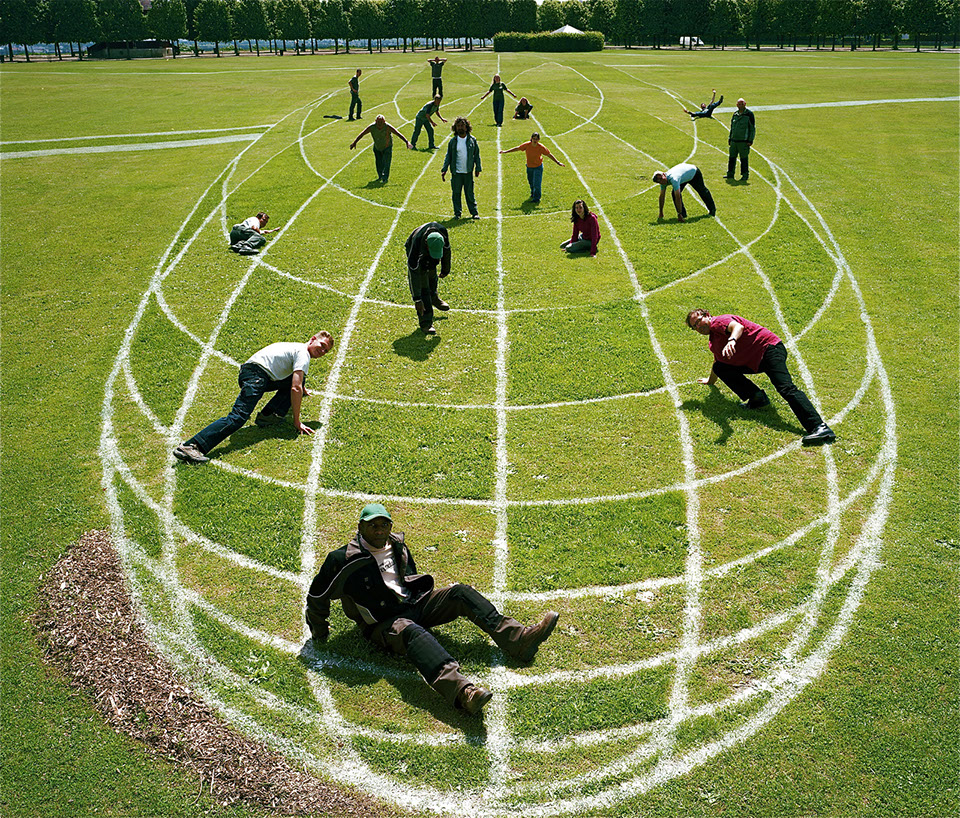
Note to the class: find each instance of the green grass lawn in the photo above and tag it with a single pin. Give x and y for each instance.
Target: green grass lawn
(747, 627)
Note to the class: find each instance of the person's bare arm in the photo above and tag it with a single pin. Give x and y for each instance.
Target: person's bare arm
(663, 195)
(296, 396)
(394, 130)
(360, 136)
(511, 150)
(554, 158)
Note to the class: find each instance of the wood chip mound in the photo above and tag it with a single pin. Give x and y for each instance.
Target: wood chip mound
(87, 627)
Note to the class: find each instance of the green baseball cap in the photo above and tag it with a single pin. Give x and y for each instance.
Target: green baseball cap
(435, 245)
(372, 511)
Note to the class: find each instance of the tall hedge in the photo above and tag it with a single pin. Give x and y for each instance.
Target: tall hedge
(543, 41)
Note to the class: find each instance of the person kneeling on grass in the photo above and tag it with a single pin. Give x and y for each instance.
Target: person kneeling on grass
(586, 230)
(741, 347)
(535, 152)
(375, 578)
(280, 368)
(523, 109)
(247, 237)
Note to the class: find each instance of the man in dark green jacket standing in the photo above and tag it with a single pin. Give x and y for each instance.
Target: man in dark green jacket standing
(743, 128)
(462, 160)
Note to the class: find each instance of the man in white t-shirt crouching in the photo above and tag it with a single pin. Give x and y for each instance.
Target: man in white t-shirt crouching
(280, 368)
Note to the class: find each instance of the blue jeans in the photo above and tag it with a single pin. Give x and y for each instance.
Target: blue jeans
(535, 178)
(383, 158)
(254, 381)
(462, 182)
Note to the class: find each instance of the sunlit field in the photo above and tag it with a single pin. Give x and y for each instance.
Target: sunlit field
(747, 626)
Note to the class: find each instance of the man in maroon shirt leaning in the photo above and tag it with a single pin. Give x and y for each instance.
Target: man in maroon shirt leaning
(739, 347)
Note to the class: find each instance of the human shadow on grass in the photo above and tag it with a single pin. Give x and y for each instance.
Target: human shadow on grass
(416, 346)
(720, 409)
(252, 434)
(374, 184)
(673, 219)
(351, 660)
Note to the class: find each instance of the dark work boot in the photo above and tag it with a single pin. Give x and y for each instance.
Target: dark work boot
(534, 636)
(472, 698)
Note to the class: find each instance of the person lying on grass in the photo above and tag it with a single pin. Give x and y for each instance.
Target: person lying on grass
(741, 347)
(247, 237)
(280, 368)
(706, 109)
(375, 578)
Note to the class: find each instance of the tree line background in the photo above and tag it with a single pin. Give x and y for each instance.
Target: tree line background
(435, 23)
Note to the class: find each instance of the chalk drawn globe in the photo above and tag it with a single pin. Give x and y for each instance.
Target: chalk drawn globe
(705, 565)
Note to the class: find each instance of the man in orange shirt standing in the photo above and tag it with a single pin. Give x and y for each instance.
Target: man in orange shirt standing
(535, 152)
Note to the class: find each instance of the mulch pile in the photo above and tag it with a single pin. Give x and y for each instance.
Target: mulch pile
(88, 628)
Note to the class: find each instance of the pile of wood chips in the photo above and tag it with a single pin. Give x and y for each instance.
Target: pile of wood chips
(88, 628)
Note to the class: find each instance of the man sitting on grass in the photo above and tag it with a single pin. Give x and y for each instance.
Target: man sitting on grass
(376, 580)
(741, 347)
(280, 368)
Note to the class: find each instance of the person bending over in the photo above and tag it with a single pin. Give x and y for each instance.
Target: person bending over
(741, 348)
(280, 368)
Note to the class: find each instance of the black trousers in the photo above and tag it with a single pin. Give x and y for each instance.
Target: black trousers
(424, 284)
(703, 192)
(774, 366)
(408, 634)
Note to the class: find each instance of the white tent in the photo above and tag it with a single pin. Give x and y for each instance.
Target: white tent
(567, 30)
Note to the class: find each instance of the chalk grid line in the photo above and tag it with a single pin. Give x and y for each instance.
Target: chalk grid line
(884, 464)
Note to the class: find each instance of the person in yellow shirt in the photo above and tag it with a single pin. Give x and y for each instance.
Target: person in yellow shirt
(535, 151)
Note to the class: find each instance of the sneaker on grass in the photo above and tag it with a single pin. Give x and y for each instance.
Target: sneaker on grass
(265, 420)
(189, 453)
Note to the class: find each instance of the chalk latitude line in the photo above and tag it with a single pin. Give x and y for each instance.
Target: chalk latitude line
(387, 782)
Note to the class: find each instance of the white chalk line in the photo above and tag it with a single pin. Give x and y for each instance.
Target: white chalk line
(133, 135)
(663, 739)
(330, 717)
(133, 147)
(499, 738)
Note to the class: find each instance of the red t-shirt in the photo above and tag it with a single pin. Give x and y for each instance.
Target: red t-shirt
(750, 346)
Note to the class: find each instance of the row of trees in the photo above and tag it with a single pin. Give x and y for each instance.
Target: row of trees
(626, 22)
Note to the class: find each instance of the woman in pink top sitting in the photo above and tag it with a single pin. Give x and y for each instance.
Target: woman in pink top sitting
(586, 230)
